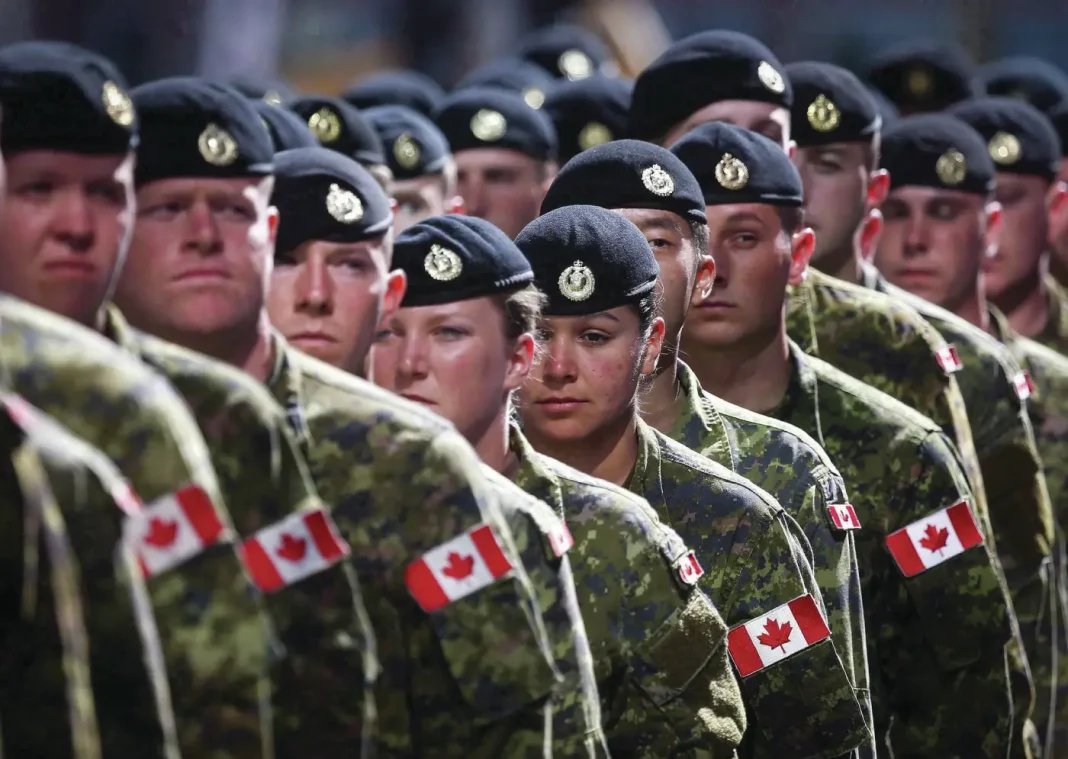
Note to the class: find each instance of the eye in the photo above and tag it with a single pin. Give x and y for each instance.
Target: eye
(659, 243)
(447, 332)
(745, 240)
(595, 337)
(38, 188)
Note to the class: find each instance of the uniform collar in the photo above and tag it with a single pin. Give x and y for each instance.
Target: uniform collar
(699, 425)
(118, 330)
(285, 382)
(646, 478)
(532, 475)
(1056, 329)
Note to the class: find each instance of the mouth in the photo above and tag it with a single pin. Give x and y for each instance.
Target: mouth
(561, 405)
(415, 398)
(71, 268)
(312, 338)
(715, 305)
(202, 274)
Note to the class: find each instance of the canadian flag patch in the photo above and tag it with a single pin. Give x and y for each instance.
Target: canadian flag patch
(560, 538)
(844, 516)
(300, 545)
(173, 529)
(1023, 386)
(948, 359)
(457, 568)
(772, 637)
(934, 539)
(688, 569)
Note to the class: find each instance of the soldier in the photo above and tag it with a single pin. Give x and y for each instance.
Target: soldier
(288, 131)
(402, 87)
(211, 154)
(926, 635)
(459, 345)
(654, 190)
(505, 154)
(588, 113)
(424, 170)
(579, 406)
(923, 76)
(524, 78)
(1032, 80)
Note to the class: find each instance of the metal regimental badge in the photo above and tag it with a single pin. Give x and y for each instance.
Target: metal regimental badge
(1004, 148)
(593, 134)
(575, 64)
(823, 114)
(343, 205)
(731, 173)
(216, 146)
(117, 104)
(576, 282)
(919, 82)
(488, 125)
(770, 78)
(658, 181)
(534, 97)
(442, 264)
(272, 98)
(406, 151)
(325, 125)
(951, 168)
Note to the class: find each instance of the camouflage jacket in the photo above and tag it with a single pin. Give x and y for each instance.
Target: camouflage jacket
(659, 646)
(315, 602)
(467, 677)
(216, 638)
(1055, 334)
(784, 461)
(933, 633)
(755, 567)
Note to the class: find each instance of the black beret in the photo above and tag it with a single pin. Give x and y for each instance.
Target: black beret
(588, 259)
(451, 258)
(924, 76)
(735, 165)
(588, 112)
(937, 150)
(57, 96)
(1021, 140)
(627, 174)
(409, 88)
(288, 131)
(565, 51)
(1041, 84)
(830, 105)
(414, 146)
(480, 117)
(273, 91)
(888, 112)
(699, 70)
(340, 126)
(1059, 116)
(515, 75)
(194, 128)
(323, 195)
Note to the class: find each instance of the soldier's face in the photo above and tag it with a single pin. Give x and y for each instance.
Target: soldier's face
(767, 119)
(200, 257)
(835, 181)
(504, 187)
(455, 359)
(1024, 226)
(417, 199)
(587, 376)
(64, 225)
(328, 298)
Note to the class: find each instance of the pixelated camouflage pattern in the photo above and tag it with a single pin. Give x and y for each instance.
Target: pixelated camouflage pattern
(216, 637)
(753, 563)
(659, 647)
(788, 464)
(939, 634)
(1055, 334)
(465, 680)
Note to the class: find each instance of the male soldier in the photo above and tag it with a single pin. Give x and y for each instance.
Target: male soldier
(588, 112)
(505, 154)
(424, 170)
(342, 127)
(838, 135)
(918, 77)
(524, 78)
(408, 88)
(653, 189)
(206, 212)
(926, 641)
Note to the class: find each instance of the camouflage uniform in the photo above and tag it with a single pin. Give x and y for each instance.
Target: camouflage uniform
(216, 639)
(320, 620)
(473, 676)
(659, 646)
(755, 565)
(1055, 334)
(942, 632)
(787, 463)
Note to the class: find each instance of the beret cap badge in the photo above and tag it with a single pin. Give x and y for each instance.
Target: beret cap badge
(1004, 148)
(534, 97)
(919, 82)
(343, 205)
(823, 114)
(216, 146)
(488, 125)
(117, 104)
(951, 168)
(731, 173)
(658, 181)
(576, 282)
(271, 97)
(593, 134)
(406, 151)
(325, 125)
(575, 64)
(770, 78)
(442, 264)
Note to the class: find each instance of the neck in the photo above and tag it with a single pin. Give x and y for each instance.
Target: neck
(973, 308)
(492, 445)
(608, 453)
(844, 266)
(1026, 306)
(752, 376)
(661, 398)
(249, 350)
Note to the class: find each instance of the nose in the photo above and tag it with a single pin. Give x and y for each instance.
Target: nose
(560, 365)
(202, 231)
(315, 289)
(473, 192)
(916, 238)
(413, 363)
(74, 222)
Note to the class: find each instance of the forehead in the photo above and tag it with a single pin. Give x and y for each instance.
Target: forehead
(63, 163)
(471, 307)
(761, 213)
(370, 246)
(480, 159)
(848, 150)
(237, 186)
(645, 218)
(1006, 180)
(738, 112)
(917, 195)
(417, 185)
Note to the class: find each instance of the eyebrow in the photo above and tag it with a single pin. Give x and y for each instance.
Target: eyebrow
(663, 221)
(741, 216)
(604, 314)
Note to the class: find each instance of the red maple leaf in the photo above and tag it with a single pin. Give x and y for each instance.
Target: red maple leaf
(290, 548)
(459, 567)
(935, 538)
(161, 533)
(776, 635)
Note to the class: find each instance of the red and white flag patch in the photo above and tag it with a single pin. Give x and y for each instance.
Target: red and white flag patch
(688, 569)
(457, 568)
(173, 529)
(299, 546)
(1023, 385)
(934, 539)
(560, 538)
(780, 633)
(844, 516)
(948, 359)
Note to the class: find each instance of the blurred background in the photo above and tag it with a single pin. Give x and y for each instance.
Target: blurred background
(322, 45)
